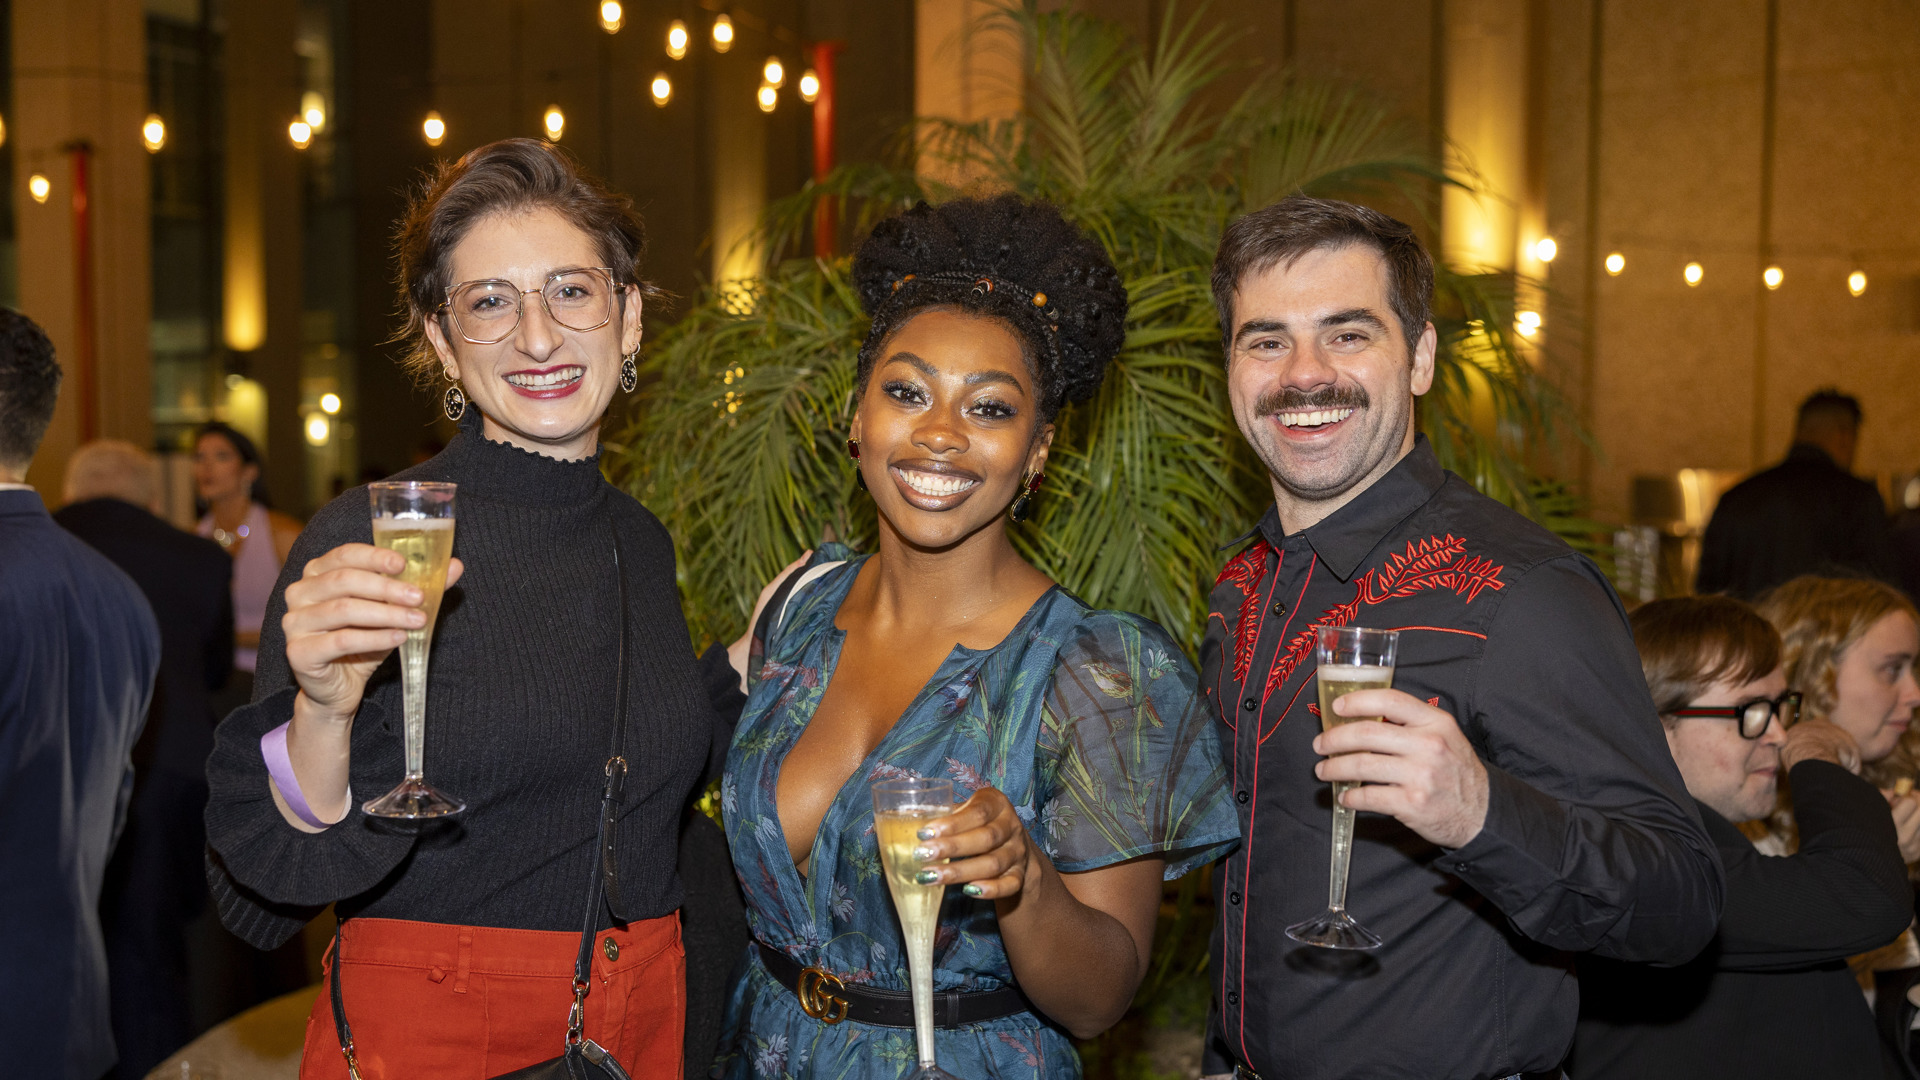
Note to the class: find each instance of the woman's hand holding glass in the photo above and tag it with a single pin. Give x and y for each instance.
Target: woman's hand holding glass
(986, 843)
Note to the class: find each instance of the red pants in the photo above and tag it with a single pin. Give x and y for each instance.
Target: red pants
(431, 1001)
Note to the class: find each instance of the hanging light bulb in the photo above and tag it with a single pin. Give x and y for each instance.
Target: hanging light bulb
(330, 403)
(318, 429)
(1546, 249)
(722, 33)
(1773, 276)
(769, 97)
(677, 39)
(301, 133)
(1857, 282)
(1616, 262)
(153, 133)
(554, 121)
(434, 128)
(661, 89)
(313, 109)
(1527, 322)
(809, 86)
(775, 73)
(612, 16)
(1693, 273)
(39, 187)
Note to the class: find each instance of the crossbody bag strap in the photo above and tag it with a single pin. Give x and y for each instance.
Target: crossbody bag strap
(606, 878)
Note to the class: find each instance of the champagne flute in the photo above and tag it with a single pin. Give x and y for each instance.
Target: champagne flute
(416, 520)
(900, 809)
(1350, 658)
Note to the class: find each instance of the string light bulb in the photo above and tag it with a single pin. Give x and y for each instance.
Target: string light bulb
(1616, 262)
(1857, 282)
(677, 39)
(153, 133)
(612, 15)
(39, 187)
(555, 122)
(1693, 273)
(329, 403)
(313, 109)
(434, 129)
(1772, 276)
(1545, 249)
(318, 429)
(661, 89)
(768, 97)
(809, 86)
(722, 33)
(775, 73)
(301, 133)
(1527, 322)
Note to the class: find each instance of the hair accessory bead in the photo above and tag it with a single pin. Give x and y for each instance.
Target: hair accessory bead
(983, 286)
(1039, 299)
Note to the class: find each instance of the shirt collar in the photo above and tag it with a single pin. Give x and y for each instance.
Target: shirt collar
(17, 487)
(1348, 534)
(1801, 451)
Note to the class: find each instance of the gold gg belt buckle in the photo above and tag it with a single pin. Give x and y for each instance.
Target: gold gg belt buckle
(817, 997)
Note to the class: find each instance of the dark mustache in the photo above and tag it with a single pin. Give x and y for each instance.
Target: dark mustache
(1293, 399)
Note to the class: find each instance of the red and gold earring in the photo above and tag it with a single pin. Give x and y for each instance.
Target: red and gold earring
(1023, 502)
(853, 451)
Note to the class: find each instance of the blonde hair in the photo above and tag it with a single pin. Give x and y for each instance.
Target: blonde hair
(115, 469)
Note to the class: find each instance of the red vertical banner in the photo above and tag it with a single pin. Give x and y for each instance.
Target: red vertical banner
(826, 226)
(84, 316)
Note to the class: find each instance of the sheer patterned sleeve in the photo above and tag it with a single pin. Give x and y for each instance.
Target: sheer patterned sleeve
(1128, 761)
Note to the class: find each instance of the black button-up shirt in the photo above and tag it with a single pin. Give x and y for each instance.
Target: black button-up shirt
(1590, 841)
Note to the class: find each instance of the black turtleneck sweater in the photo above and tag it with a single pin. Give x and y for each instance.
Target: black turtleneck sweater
(519, 719)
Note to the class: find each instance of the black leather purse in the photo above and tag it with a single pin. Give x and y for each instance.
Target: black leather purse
(582, 1058)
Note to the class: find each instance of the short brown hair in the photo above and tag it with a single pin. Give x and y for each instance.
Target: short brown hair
(512, 175)
(1298, 224)
(1819, 619)
(1688, 643)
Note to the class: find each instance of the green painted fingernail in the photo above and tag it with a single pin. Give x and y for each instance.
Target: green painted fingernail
(927, 877)
(927, 833)
(972, 889)
(924, 853)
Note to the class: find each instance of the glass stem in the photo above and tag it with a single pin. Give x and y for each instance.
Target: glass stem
(1342, 850)
(920, 969)
(413, 681)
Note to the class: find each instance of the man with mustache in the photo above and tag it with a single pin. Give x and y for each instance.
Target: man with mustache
(1520, 805)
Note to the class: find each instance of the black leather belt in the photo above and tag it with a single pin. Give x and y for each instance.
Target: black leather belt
(829, 1000)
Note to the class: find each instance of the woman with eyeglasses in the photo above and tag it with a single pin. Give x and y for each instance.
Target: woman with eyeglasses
(561, 625)
(1772, 995)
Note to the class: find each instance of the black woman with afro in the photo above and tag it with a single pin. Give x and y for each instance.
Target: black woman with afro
(1081, 762)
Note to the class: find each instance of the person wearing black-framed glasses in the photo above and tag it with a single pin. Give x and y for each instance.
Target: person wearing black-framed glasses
(1772, 995)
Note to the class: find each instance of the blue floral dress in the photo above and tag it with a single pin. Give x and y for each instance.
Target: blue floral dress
(1092, 724)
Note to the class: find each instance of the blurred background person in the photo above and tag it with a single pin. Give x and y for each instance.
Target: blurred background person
(155, 885)
(1807, 515)
(80, 650)
(1772, 995)
(227, 479)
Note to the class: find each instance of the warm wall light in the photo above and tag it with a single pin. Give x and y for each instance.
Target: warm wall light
(1693, 273)
(1545, 249)
(301, 133)
(154, 133)
(809, 86)
(329, 403)
(775, 72)
(1856, 281)
(1773, 276)
(661, 89)
(1616, 262)
(313, 109)
(612, 16)
(318, 429)
(554, 121)
(722, 33)
(3, 131)
(434, 128)
(768, 97)
(676, 39)
(40, 187)
(1527, 322)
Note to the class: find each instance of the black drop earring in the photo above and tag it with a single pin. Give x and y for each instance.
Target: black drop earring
(1022, 507)
(630, 371)
(454, 402)
(853, 451)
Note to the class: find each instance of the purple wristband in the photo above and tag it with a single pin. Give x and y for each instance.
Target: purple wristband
(273, 747)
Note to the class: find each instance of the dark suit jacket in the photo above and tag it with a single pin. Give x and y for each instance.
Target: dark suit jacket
(188, 580)
(1805, 515)
(78, 652)
(1771, 996)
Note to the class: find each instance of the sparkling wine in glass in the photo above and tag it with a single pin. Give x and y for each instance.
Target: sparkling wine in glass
(900, 809)
(416, 520)
(1350, 658)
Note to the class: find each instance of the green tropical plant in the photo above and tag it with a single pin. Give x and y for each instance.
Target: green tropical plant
(737, 442)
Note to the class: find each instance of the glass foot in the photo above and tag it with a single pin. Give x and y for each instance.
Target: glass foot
(1334, 929)
(414, 799)
(931, 1072)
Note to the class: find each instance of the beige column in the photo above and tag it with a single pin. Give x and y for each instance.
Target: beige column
(738, 130)
(260, 292)
(79, 80)
(967, 67)
(1486, 118)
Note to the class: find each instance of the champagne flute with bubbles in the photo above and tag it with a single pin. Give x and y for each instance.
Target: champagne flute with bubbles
(1350, 658)
(416, 520)
(900, 809)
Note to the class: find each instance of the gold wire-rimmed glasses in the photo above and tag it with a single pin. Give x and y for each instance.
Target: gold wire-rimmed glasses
(486, 312)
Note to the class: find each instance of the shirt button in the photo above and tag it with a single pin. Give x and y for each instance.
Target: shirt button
(1234, 899)
(1279, 608)
(1233, 997)
(1250, 704)
(1243, 797)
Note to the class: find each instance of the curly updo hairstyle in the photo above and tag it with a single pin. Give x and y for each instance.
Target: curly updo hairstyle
(506, 177)
(1004, 258)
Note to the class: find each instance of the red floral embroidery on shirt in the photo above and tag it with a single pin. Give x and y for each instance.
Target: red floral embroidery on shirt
(1244, 571)
(1433, 563)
